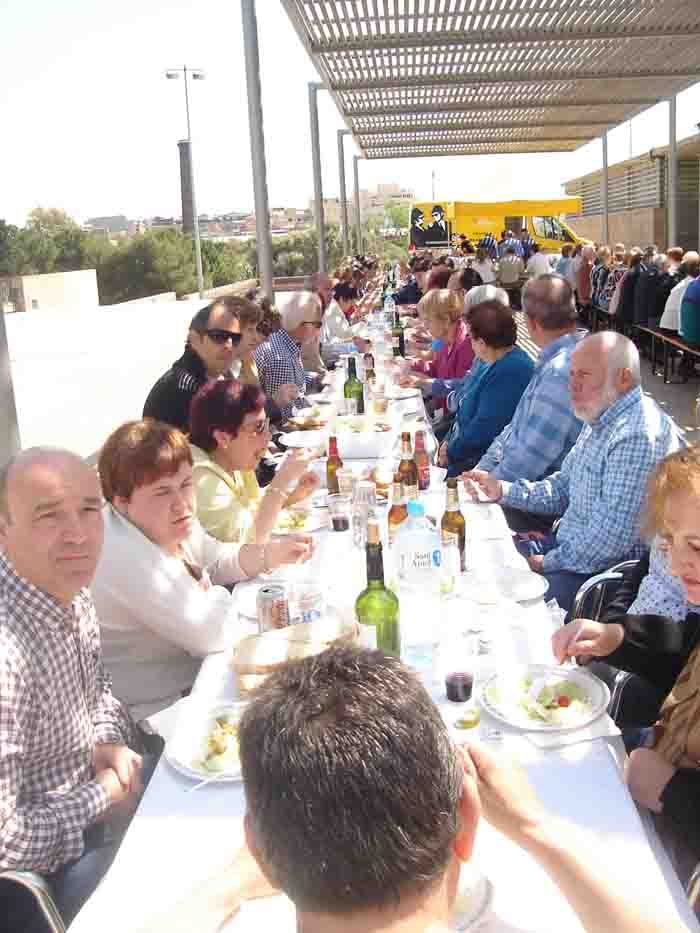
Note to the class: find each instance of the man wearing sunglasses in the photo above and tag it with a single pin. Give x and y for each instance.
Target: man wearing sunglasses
(213, 342)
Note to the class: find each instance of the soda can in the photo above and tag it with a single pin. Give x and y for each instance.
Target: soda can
(272, 607)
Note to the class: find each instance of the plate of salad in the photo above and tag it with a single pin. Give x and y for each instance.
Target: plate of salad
(205, 743)
(540, 698)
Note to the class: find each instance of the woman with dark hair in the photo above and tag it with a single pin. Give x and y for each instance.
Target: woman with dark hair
(161, 584)
(495, 389)
(230, 434)
(439, 277)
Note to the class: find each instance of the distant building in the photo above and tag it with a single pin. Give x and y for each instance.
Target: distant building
(638, 199)
(117, 223)
(372, 203)
(57, 291)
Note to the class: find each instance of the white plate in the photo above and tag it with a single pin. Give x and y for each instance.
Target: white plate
(515, 583)
(473, 901)
(304, 439)
(315, 520)
(188, 742)
(510, 713)
(397, 394)
(321, 398)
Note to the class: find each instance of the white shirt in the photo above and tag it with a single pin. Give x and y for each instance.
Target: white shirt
(538, 264)
(485, 270)
(336, 333)
(155, 619)
(671, 318)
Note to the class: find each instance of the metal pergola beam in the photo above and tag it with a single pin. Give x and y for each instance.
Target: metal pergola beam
(498, 37)
(442, 151)
(620, 103)
(466, 125)
(476, 138)
(510, 77)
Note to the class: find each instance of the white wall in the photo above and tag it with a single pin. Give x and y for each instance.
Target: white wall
(60, 291)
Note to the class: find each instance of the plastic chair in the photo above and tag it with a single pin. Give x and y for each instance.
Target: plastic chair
(41, 893)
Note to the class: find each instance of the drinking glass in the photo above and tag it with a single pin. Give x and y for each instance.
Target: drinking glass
(340, 508)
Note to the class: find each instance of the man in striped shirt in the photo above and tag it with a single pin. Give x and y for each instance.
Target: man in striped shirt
(510, 241)
(490, 244)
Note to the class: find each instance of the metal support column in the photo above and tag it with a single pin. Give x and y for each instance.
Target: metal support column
(257, 146)
(195, 214)
(9, 429)
(319, 223)
(358, 218)
(672, 204)
(606, 199)
(343, 192)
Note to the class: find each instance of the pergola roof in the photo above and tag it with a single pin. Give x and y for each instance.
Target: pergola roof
(455, 77)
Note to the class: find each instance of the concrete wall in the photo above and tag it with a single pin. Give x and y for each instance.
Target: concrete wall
(58, 291)
(234, 288)
(633, 228)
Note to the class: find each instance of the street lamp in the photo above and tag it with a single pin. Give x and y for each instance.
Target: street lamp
(197, 75)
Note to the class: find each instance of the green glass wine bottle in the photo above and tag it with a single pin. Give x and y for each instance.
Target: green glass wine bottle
(377, 608)
(353, 390)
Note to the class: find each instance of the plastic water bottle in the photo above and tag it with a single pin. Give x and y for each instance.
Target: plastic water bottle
(389, 308)
(419, 550)
(418, 560)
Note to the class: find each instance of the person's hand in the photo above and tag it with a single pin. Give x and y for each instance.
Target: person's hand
(307, 485)
(647, 773)
(286, 394)
(361, 344)
(118, 795)
(289, 549)
(536, 562)
(478, 482)
(442, 455)
(584, 638)
(293, 466)
(120, 759)
(409, 380)
(508, 800)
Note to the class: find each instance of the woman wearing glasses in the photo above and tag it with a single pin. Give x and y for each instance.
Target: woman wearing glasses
(160, 586)
(230, 434)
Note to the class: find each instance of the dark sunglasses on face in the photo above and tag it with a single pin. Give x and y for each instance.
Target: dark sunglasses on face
(223, 336)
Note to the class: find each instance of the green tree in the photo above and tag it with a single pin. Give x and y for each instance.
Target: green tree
(397, 215)
(49, 219)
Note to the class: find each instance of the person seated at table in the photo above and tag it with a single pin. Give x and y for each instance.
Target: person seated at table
(600, 487)
(439, 276)
(230, 434)
(483, 264)
(442, 310)
(68, 779)
(270, 321)
(511, 270)
(412, 292)
(495, 390)
(664, 770)
(336, 333)
(463, 280)
(384, 812)
(544, 427)
(160, 583)
(279, 358)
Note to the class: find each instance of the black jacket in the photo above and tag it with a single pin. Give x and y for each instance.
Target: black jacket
(169, 399)
(657, 649)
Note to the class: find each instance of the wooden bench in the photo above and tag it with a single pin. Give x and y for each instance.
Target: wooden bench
(669, 342)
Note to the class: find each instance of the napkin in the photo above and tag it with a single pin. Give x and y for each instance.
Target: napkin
(603, 727)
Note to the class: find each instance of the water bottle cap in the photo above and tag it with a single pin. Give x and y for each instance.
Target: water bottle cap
(415, 508)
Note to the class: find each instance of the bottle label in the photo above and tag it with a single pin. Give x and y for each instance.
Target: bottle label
(395, 343)
(411, 492)
(424, 477)
(419, 560)
(368, 636)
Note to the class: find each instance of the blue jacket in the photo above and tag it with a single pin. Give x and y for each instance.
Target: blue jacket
(494, 393)
(410, 294)
(690, 313)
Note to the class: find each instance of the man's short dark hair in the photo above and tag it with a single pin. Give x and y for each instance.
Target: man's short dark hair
(245, 310)
(352, 783)
(535, 247)
(345, 291)
(549, 300)
(493, 323)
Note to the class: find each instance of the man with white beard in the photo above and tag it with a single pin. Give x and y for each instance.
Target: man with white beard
(602, 482)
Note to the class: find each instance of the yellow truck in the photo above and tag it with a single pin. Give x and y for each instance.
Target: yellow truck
(440, 224)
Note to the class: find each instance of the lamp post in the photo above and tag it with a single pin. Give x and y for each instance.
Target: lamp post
(197, 75)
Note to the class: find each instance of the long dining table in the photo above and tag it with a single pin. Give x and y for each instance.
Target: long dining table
(182, 833)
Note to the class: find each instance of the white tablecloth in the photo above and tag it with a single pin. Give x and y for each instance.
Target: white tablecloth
(179, 837)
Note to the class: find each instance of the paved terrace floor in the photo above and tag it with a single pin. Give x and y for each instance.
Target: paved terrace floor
(79, 375)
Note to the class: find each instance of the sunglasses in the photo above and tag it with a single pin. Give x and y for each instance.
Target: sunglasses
(259, 427)
(222, 337)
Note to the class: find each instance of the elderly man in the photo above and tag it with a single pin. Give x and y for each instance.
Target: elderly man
(67, 775)
(279, 359)
(544, 427)
(379, 824)
(601, 484)
(671, 318)
(412, 292)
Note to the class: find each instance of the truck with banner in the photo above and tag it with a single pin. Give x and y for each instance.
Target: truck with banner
(441, 224)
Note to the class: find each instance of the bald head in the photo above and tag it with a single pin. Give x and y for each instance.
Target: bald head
(51, 520)
(604, 367)
(549, 303)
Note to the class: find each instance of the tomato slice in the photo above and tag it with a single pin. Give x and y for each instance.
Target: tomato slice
(564, 701)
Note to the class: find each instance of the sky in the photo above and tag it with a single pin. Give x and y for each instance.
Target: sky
(90, 124)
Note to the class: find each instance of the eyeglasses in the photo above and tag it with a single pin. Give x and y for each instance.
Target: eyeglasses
(259, 427)
(313, 323)
(223, 336)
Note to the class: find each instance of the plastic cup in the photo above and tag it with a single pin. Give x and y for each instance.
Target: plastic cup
(340, 511)
(346, 479)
